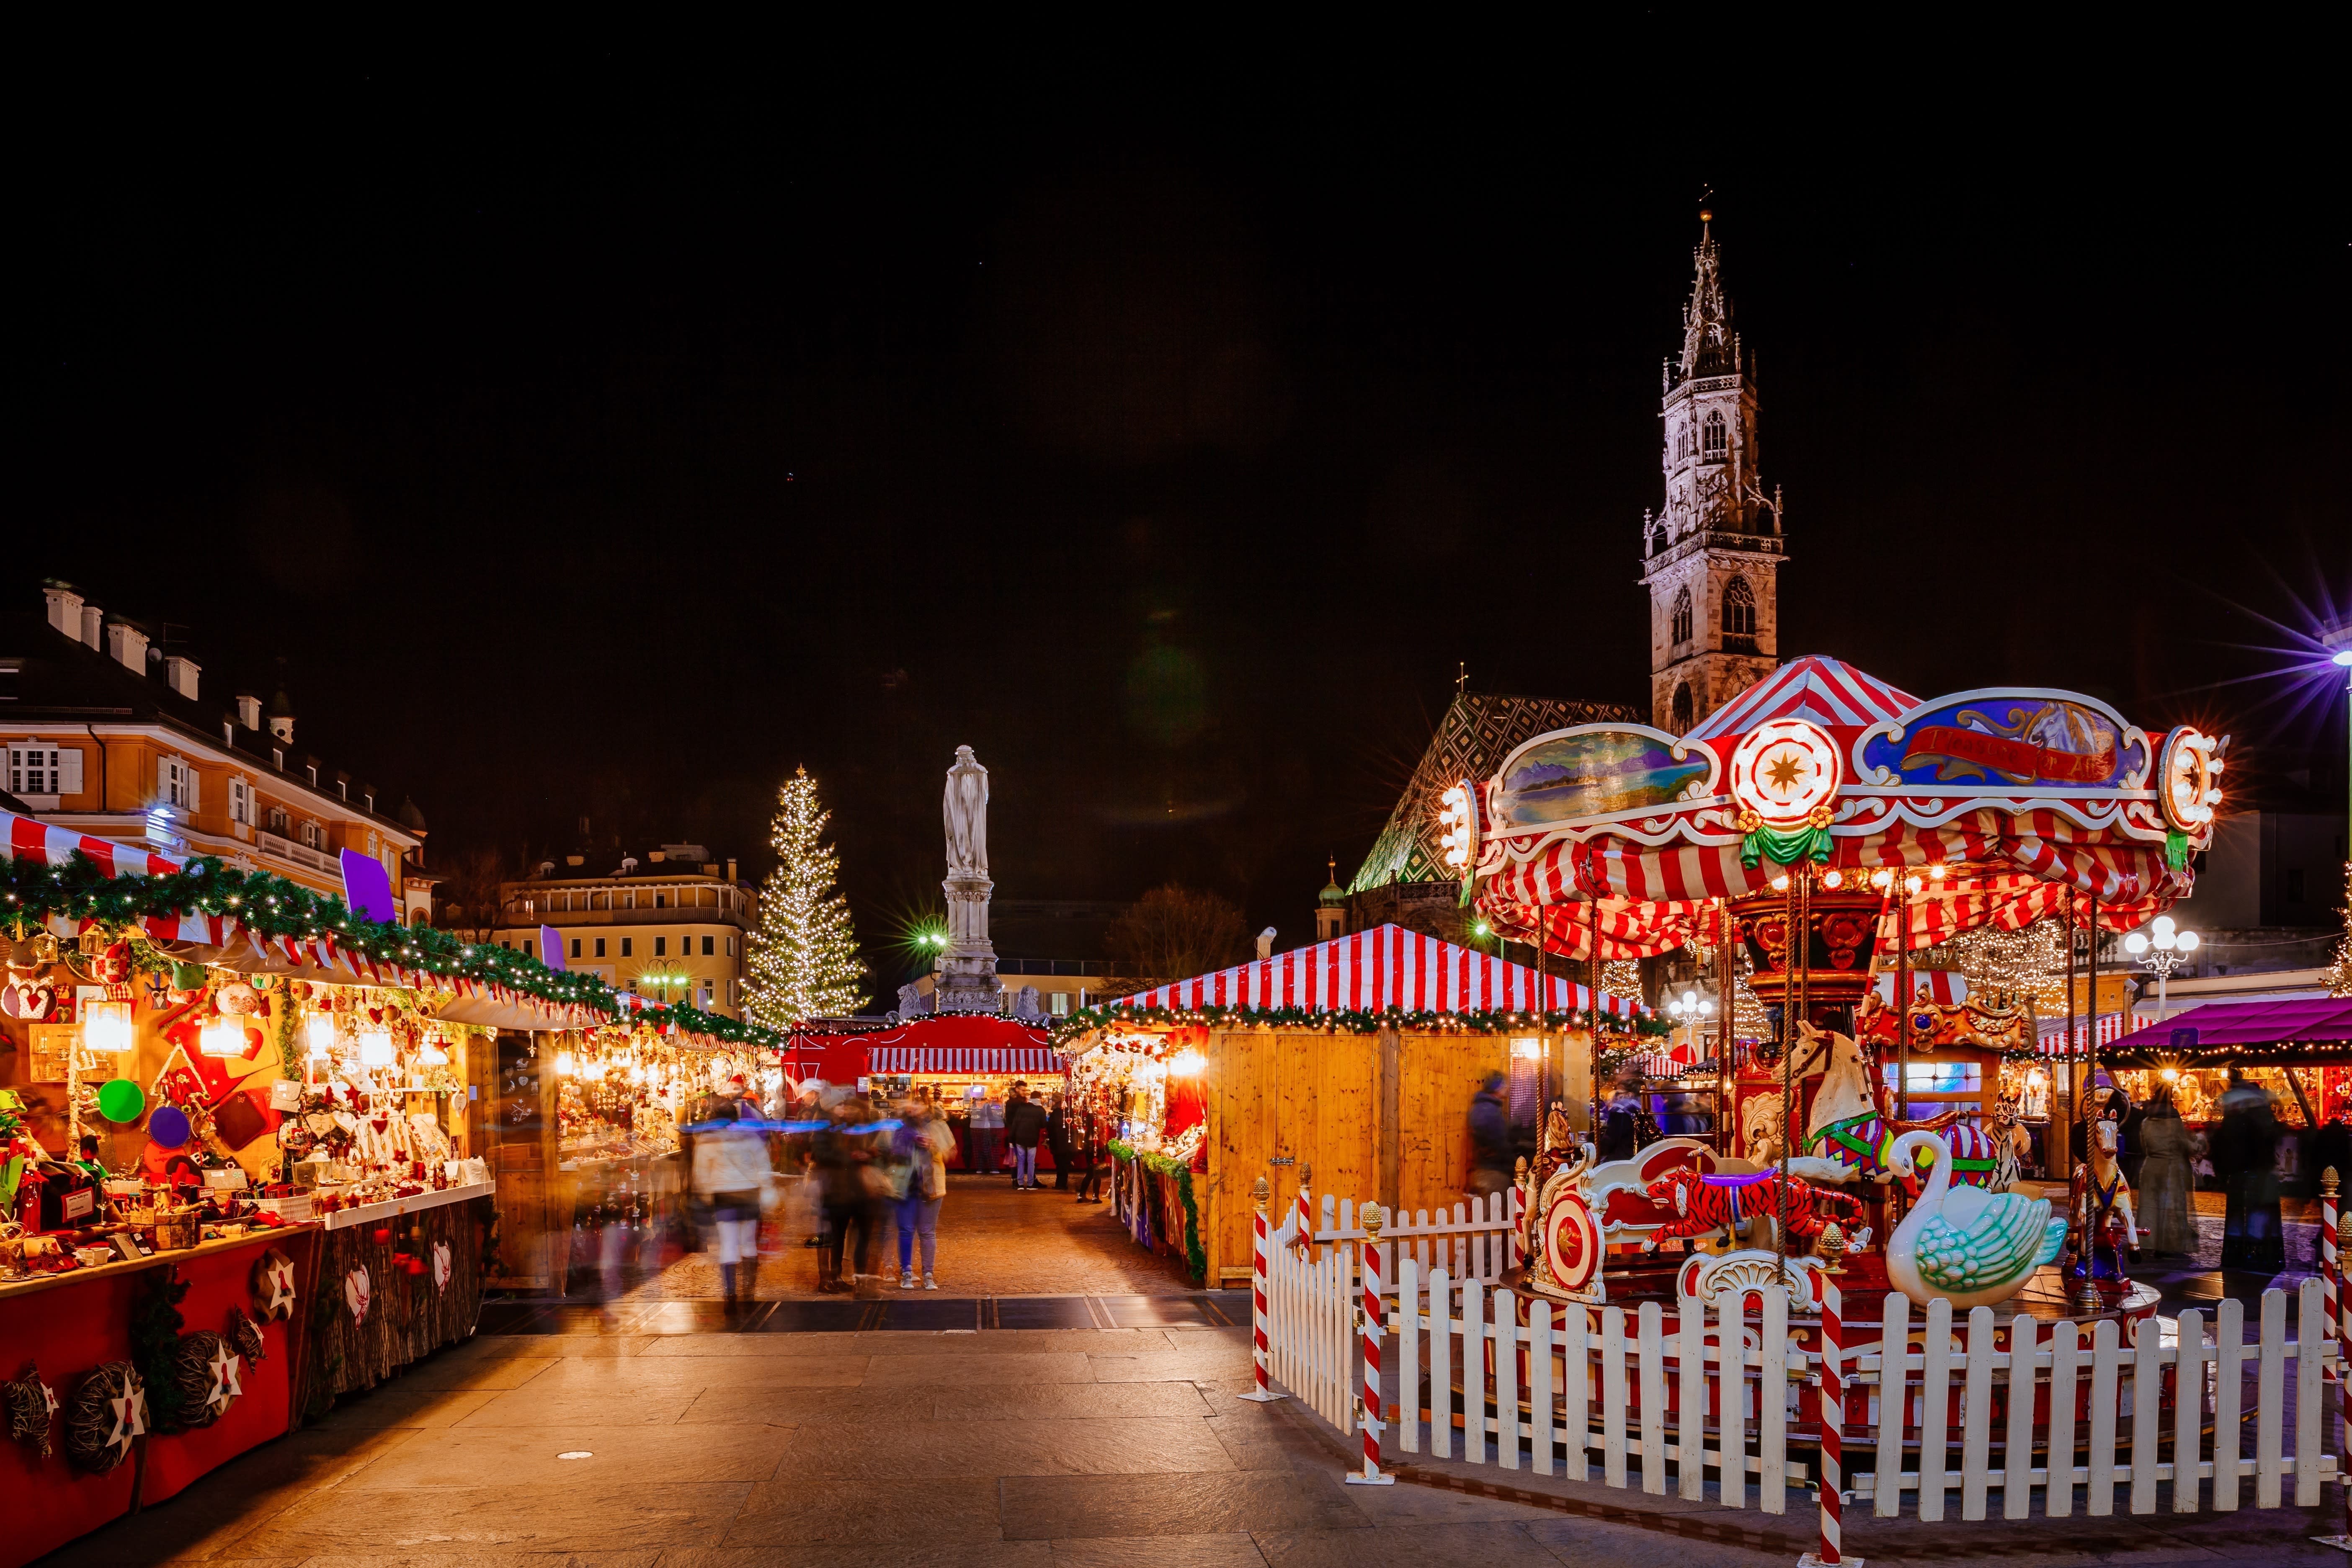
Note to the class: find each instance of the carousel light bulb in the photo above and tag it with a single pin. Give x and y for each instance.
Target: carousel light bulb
(1832, 878)
(1937, 871)
(1780, 883)
(1881, 878)
(375, 1047)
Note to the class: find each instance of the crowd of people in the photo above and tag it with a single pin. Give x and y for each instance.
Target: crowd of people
(847, 1170)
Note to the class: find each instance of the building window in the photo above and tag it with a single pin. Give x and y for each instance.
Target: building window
(660, 901)
(1738, 608)
(709, 946)
(1683, 616)
(730, 947)
(176, 782)
(661, 947)
(1061, 1004)
(312, 834)
(278, 822)
(575, 947)
(1682, 719)
(706, 996)
(44, 770)
(529, 947)
(600, 947)
(240, 803)
(627, 943)
(1715, 432)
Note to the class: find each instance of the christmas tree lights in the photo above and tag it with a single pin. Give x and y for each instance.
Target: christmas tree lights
(804, 956)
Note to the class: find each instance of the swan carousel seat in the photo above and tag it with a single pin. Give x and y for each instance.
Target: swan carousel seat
(1971, 1247)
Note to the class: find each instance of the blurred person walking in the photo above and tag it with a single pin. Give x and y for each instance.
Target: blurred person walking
(1024, 1121)
(1490, 1138)
(2163, 1186)
(1088, 1141)
(1057, 1140)
(731, 1164)
(987, 1135)
(849, 1180)
(923, 1141)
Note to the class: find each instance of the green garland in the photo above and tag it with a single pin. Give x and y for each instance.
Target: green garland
(272, 907)
(155, 1345)
(1196, 1257)
(1360, 1021)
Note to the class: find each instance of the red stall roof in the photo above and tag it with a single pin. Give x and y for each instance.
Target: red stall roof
(1372, 971)
(942, 1043)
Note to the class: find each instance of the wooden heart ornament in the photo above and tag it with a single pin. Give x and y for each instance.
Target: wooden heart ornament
(356, 1289)
(440, 1266)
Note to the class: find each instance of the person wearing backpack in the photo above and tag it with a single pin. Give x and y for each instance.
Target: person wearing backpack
(923, 1144)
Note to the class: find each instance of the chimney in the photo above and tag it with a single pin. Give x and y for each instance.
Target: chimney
(92, 619)
(180, 675)
(248, 710)
(65, 610)
(730, 871)
(127, 646)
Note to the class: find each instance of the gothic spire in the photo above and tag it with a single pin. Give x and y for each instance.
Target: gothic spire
(1708, 346)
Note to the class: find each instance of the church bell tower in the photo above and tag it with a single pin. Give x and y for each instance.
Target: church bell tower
(1711, 558)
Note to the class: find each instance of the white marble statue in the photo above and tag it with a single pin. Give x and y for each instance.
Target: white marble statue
(966, 809)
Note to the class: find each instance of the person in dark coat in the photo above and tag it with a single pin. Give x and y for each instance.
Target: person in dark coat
(1490, 1138)
(1024, 1123)
(1620, 1125)
(2245, 1157)
(1057, 1139)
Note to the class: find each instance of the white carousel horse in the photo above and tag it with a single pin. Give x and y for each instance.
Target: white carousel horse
(2103, 1188)
(1971, 1247)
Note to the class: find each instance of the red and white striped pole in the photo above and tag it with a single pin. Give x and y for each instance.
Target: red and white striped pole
(2333, 1232)
(1305, 1238)
(2330, 1263)
(1261, 1347)
(1829, 1554)
(1373, 1425)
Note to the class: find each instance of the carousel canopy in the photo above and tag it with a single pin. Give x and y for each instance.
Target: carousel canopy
(2232, 1028)
(2012, 801)
(975, 1043)
(1383, 969)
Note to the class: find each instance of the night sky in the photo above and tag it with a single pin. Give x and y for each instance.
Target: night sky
(590, 436)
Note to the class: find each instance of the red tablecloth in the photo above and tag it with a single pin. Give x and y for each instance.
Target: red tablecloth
(75, 1326)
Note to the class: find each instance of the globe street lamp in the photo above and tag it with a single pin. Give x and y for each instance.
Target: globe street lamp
(2160, 953)
(1689, 1008)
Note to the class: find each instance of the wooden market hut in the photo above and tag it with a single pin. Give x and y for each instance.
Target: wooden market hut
(1358, 1057)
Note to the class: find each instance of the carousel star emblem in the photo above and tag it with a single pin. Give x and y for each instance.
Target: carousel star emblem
(226, 1386)
(1786, 769)
(130, 1409)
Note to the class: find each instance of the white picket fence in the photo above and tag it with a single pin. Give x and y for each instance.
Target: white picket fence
(1596, 1388)
(1317, 1355)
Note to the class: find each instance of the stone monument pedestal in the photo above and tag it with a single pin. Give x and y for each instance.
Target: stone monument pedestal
(967, 972)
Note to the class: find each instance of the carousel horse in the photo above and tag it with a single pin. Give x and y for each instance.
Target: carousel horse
(1853, 1123)
(2103, 1202)
(1761, 1136)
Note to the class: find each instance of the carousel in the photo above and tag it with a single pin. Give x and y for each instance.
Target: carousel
(1833, 825)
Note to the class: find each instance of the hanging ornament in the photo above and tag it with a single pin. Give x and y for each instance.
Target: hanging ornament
(273, 1286)
(31, 1407)
(106, 1413)
(356, 1291)
(207, 1372)
(440, 1266)
(244, 1336)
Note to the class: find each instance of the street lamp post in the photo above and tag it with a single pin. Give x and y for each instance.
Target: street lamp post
(1690, 1009)
(2339, 641)
(2160, 953)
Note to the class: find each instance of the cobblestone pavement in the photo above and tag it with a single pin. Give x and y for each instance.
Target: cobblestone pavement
(1121, 1446)
(993, 1241)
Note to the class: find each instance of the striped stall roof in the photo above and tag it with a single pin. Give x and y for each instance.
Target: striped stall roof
(45, 845)
(2050, 1033)
(933, 1043)
(964, 1059)
(1828, 691)
(1374, 971)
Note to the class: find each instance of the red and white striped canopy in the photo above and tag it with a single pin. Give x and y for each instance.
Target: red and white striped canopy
(2050, 1033)
(45, 845)
(1945, 987)
(1831, 693)
(978, 1043)
(1377, 970)
(1629, 885)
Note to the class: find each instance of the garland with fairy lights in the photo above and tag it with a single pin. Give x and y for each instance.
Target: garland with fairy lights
(271, 907)
(1360, 1021)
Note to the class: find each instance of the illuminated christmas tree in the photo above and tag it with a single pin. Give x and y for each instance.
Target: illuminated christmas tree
(804, 956)
(2339, 973)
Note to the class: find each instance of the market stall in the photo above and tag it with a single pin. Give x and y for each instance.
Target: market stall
(970, 1062)
(1357, 1058)
(2299, 1052)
